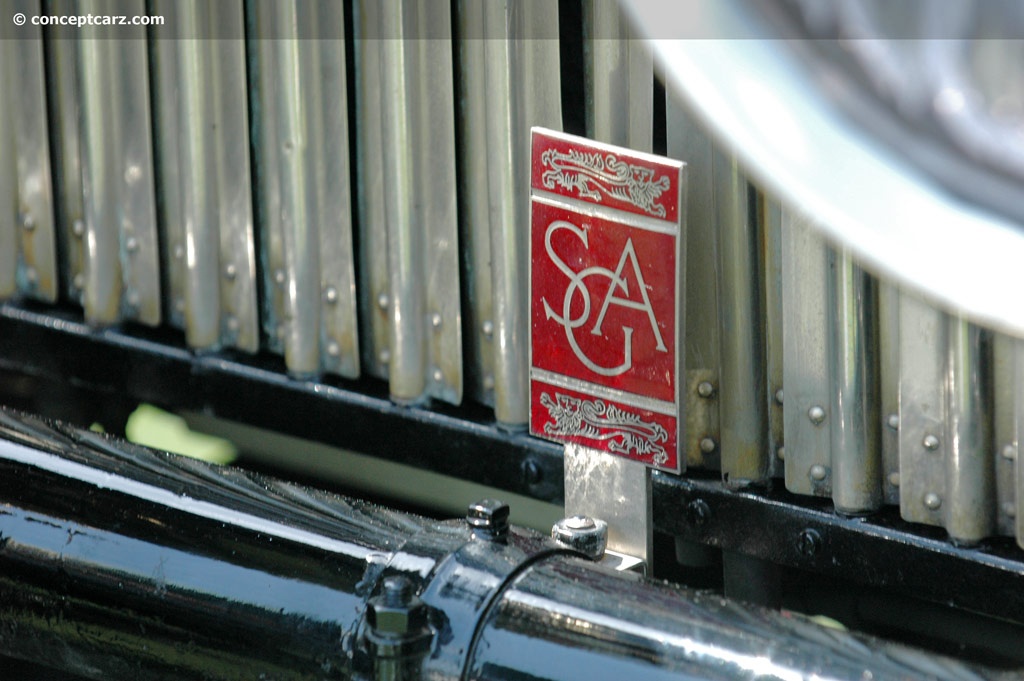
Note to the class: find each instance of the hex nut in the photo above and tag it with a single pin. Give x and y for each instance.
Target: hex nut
(488, 519)
(397, 611)
(581, 533)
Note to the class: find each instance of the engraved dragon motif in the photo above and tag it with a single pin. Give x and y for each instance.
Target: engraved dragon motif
(625, 433)
(595, 175)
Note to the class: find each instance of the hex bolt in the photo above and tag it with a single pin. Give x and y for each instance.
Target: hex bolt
(705, 389)
(582, 533)
(698, 513)
(398, 634)
(488, 519)
(808, 543)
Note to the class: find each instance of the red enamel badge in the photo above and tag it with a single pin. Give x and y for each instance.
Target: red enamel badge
(606, 239)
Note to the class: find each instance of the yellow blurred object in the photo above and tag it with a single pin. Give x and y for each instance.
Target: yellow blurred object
(157, 428)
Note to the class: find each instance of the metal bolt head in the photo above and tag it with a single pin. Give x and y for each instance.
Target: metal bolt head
(582, 533)
(894, 479)
(816, 414)
(396, 611)
(781, 453)
(698, 512)
(707, 445)
(779, 396)
(78, 228)
(488, 328)
(435, 320)
(818, 472)
(930, 442)
(808, 543)
(932, 501)
(893, 421)
(705, 389)
(131, 244)
(230, 271)
(28, 222)
(488, 519)
(532, 473)
(1009, 452)
(383, 301)
(331, 295)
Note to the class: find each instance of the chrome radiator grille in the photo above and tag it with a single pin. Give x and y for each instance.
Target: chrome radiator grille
(210, 185)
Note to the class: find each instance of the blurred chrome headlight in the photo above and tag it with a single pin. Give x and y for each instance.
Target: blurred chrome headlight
(897, 126)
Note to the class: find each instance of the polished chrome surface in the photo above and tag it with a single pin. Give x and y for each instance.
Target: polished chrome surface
(203, 152)
(742, 415)
(524, 92)
(922, 420)
(970, 462)
(947, 462)
(37, 267)
(806, 360)
(701, 349)
(414, 269)
(1004, 431)
(856, 454)
(619, 73)
(889, 388)
(121, 270)
(475, 203)
(616, 490)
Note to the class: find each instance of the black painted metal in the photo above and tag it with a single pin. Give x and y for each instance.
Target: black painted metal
(882, 551)
(55, 349)
(120, 562)
(154, 366)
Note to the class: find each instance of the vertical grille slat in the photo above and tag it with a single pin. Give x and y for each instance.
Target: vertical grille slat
(36, 269)
(856, 457)
(474, 203)
(889, 388)
(807, 375)
(1004, 430)
(742, 409)
(203, 164)
(619, 74)
(525, 91)
(701, 362)
(303, 188)
(946, 463)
